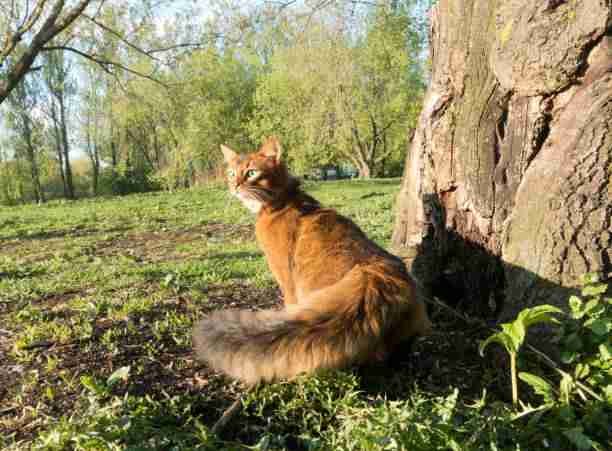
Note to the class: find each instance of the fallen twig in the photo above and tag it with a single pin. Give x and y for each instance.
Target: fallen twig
(439, 303)
(38, 344)
(230, 412)
(52, 344)
(8, 410)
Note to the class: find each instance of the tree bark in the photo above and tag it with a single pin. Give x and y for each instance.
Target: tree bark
(39, 194)
(364, 171)
(65, 143)
(93, 151)
(57, 136)
(506, 195)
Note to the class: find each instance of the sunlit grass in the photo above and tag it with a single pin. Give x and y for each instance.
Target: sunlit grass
(97, 301)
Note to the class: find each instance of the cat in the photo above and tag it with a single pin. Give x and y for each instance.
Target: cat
(347, 300)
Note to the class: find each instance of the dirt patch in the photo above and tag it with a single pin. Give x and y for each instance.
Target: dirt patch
(164, 245)
(73, 232)
(173, 370)
(55, 299)
(8, 368)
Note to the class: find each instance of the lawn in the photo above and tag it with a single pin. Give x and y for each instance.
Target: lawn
(97, 301)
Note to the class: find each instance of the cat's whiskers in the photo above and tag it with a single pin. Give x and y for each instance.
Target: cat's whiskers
(260, 194)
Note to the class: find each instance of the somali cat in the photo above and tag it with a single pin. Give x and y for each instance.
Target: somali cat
(347, 300)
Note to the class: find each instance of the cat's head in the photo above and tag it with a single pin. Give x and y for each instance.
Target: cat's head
(260, 178)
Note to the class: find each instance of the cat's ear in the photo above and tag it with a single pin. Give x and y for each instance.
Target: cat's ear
(228, 154)
(272, 149)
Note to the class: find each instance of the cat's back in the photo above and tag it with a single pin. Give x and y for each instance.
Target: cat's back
(327, 233)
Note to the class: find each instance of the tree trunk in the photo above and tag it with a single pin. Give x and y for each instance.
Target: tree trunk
(365, 171)
(57, 136)
(95, 173)
(39, 194)
(94, 155)
(66, 146)
(506, 195)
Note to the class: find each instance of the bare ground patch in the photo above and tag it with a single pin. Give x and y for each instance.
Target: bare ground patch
(170, 369)
(153, 246)
(165, 245)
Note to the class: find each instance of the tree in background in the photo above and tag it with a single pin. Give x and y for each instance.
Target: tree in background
(61, 89)
(217, 88)
(94, 122)
(13, 185)
(337, 97)
(384, 99)
(28, 31)
(27, 138)
(145, 98)
(58, 26)
(296, 97)
(46, 38)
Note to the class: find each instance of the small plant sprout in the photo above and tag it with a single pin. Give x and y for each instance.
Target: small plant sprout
(512, 336)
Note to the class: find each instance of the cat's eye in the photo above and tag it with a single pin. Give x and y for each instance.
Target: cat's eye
(231, 173)
(252, 174)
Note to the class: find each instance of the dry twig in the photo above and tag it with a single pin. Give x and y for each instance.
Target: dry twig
(230, 412)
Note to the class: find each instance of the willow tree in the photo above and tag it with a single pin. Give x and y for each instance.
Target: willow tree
(506, 195)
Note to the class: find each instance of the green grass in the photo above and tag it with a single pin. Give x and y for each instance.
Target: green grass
(97, 301)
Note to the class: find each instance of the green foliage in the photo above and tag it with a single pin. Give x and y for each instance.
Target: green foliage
(127, 180)
(588, 330)
(577, 412)
(215, 94)
(333, 98)
(581, 407)
(126, 422)
(329, 412)
(513, 334)
(13, 182)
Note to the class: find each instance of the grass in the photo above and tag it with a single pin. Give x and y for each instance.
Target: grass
(97, 301)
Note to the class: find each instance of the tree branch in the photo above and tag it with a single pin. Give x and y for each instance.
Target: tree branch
(11, 41)
(146, 52)
(120, 37)
(104, 63)
(50, 28)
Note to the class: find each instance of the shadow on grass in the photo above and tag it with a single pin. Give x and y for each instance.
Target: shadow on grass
(463, 273)
(459, 270)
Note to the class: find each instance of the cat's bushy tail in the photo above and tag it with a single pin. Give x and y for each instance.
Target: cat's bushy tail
(280, 344)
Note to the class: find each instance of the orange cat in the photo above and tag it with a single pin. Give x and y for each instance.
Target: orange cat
(347, 300)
